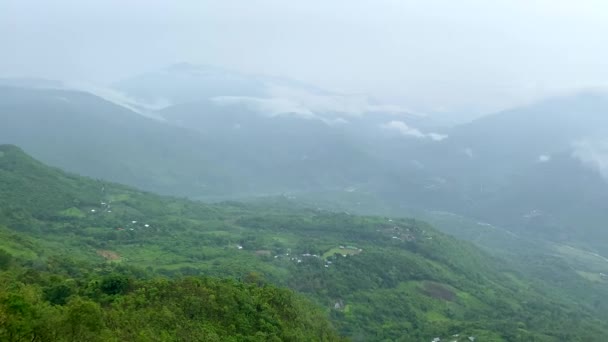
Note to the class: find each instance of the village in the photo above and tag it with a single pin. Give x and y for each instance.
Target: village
(342, 250)
(105, 207)
(455, 338)
(398, 233)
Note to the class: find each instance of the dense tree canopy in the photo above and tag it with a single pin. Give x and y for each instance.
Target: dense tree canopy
(49, 305)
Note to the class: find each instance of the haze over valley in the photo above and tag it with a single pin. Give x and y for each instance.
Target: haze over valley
(401, 172)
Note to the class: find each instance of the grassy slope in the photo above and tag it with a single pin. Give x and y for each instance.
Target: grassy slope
(409, 281)
(567, 270)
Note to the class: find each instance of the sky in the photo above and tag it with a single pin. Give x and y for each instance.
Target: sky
(452, 58)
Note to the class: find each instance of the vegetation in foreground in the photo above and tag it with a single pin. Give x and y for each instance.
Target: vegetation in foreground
(376, 278)
(63, 301)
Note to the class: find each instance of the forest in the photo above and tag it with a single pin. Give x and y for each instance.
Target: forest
(89, 260)
(66, 301)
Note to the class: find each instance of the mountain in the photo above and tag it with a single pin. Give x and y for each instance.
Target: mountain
(349, 141)
(288, 137)
(213, 90)
(498, 146)
(54, 288)
(377, 278)
(546, 127)
(282, 146)
(536, 169)
(551, 183)
(86, 134)
(234, 135)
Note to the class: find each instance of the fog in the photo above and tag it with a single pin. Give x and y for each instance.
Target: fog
(455, 59)
(378, 170)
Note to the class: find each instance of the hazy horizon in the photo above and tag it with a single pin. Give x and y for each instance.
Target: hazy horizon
(271, 170)
(455, 61)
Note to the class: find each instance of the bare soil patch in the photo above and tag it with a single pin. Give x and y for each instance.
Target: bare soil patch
(108, 255)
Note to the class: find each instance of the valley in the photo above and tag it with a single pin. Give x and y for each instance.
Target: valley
(387, 269)
(299, 171)
(306, 192)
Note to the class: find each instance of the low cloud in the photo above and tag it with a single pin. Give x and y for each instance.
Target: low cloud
(437, 136)
(266, 106)
(326, 102)
(593, 154)
(121, 99)
(272, 107)
(309, 103)
(405, 130)
(543, 158)
(469, 152)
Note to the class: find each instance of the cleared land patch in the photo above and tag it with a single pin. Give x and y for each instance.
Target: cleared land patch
(108, 255)
(342, 250)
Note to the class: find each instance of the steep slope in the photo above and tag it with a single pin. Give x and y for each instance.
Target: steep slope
(489, 150)
(218, 145)
(543, 185)
(85, 134)
(312, 153)
(560, 200)
(199, 95)
(502, 168)
(541, 128)
(281, 127)
(536, 170)
(378, 278)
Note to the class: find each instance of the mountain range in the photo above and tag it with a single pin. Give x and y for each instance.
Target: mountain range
(527, 184)
(536, 170)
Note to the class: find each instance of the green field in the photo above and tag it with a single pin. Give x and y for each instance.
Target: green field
(344, 251)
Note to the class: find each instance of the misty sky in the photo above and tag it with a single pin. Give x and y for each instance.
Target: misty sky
(431, 55)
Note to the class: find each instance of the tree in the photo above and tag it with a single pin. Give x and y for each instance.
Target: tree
(114, 284)
(57, 294)
(5, 259)
(83, 320)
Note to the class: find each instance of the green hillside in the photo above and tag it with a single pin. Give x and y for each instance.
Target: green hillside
(543, 185)
(88, 135)
(55, 287)
(377, 279)
(66, 302)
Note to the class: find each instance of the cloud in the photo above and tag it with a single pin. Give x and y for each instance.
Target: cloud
(121, 99)
(469, 152)
(272, 107)
(593, 154)
(405, 130)
(437, 136)
(326, 102)
(543, 158)
(266, 106)
(397, 50)
(285, 98)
